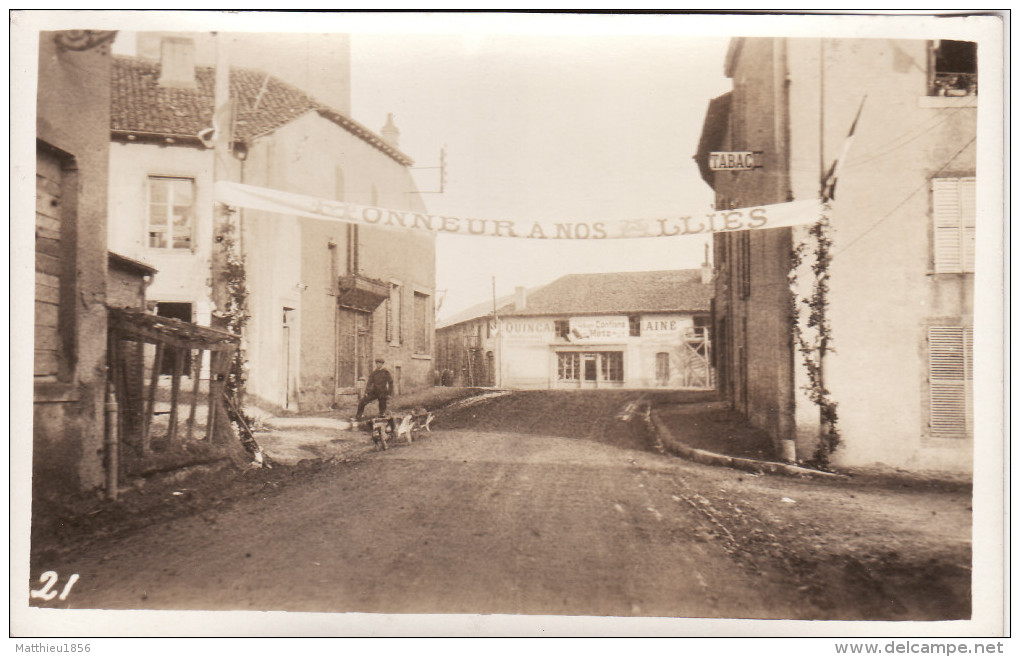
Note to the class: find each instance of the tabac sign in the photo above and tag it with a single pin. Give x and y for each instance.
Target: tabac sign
(778, 215)
(734, 160)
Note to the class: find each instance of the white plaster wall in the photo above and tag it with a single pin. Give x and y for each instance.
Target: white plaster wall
(882, 287)
(183, 275)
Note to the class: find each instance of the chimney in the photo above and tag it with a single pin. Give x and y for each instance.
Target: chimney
(390, 133)
(706, 269)
(177, 63)
(520, 298)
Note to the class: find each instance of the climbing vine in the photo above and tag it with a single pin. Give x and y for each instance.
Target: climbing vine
(235, 311)
(812, 331)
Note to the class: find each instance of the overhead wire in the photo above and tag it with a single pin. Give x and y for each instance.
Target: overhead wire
(906, 198)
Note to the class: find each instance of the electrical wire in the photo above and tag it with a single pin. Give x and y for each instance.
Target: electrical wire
(907, 198)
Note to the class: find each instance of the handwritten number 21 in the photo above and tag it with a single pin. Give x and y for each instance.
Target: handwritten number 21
(49, 580)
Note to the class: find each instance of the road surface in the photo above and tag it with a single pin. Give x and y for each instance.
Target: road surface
(460, 522)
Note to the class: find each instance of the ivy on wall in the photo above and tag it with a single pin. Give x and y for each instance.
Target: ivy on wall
(812, 331)
(235, 311)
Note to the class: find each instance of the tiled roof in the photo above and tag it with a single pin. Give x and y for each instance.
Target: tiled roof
(264, 103)
(679, 290)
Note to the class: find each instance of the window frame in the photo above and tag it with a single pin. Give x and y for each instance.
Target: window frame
(395, 314)
(423, 331)
(169, 226)
(940, 84)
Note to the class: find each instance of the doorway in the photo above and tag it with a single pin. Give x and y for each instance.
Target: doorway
(288, 318)
(589, 370)
(353, 349)
(174, 310)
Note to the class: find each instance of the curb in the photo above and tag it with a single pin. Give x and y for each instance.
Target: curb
(711, 458)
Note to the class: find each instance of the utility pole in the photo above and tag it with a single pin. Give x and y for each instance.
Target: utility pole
(222, 220)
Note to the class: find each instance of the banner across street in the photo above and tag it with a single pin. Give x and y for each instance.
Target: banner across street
(700, 223)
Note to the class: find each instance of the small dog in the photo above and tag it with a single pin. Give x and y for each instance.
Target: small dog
(406, 428)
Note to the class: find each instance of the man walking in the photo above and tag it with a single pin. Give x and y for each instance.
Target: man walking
(379, 387)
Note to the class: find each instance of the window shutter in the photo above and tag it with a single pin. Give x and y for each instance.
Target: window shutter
(953, 217)
(950, 375)
(968, 221)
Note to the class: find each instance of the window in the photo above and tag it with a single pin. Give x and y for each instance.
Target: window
(953, 224)
(562, 328)
(568, 366)
(950, 380)
(171, 213)
(952, 68)
(635, 325)
(744, 282)
(612, 366)
(662, 368)
(394, 327)
(422, 327)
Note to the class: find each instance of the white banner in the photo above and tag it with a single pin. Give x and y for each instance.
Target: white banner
(756, 218)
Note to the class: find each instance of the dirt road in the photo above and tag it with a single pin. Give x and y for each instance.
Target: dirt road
(570, 514)
(459, 523)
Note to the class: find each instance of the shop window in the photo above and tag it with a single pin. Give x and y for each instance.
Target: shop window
(568, 366)
(612, 366)
(171, 221)
(635, 325)
(951, 380)
(953, 219)
(952, 68)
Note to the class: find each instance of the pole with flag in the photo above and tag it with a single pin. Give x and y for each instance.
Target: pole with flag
(219, 137)
(832, 175)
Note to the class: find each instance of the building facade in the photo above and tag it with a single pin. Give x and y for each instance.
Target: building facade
(72, 138)
(324, 298)
(900, 300)
(620, 330)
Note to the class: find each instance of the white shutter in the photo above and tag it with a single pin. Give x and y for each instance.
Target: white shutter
(968, 220)
(953, 215)
(950, 376)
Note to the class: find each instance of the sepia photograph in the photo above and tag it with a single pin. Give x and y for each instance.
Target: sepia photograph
(508, 324)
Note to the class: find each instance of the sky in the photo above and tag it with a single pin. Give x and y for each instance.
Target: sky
(559, 118)
(545, 127)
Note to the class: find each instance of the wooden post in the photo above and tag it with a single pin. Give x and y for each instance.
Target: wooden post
(210, 420)
(196, 384)
(175, 389)
(151, 405)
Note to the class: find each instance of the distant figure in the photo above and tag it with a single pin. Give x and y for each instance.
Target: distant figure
(379, 387)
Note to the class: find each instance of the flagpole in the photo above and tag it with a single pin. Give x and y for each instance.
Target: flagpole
(221, 138)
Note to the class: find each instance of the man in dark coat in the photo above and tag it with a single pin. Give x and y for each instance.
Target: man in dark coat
(379, 387)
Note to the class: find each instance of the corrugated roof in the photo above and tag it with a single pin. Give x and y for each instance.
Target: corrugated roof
(677, 290)
(263, 104)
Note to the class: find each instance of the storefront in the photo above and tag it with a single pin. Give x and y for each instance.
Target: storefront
(643, 330)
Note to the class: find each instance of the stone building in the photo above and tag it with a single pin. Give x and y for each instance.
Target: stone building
(72, 138)
(901, 292)
(324, 297)
(611, 330)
